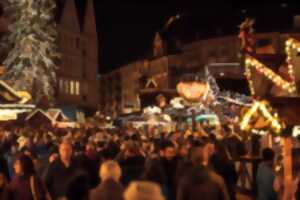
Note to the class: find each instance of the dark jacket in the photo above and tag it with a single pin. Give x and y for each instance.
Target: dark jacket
(132, 169)
(169, 168)
(19, 188)
(91, 167)
(3, 166)
(58, 177)
(201, 183)
(265, 180)
(226, 169)
(107, 190)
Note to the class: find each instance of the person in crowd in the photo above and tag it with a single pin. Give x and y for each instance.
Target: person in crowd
(78, 187)
(110, 187)
(60, 171)
(199, 181)
(224, 166)
(25, 184)
(131, 162)
(265, 176)
(154, 172)
(3, 186)
(89, 162)
(143, 190)
(169, 161)
(3, 166)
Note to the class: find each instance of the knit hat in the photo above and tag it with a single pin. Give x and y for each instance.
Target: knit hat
(143, 190)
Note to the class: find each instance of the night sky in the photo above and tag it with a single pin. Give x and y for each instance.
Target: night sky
(126, 28)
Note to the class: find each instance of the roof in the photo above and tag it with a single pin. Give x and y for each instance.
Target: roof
(39, 111)
(54, 113)
(81, 7)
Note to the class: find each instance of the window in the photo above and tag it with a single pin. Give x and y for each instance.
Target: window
(77, 88)
(72, 87)
(61, 85)
(66, 86)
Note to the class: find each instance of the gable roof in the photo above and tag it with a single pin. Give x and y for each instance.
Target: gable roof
(11, 95)
(54, 113)
(69, 17)
(89, 24)
(81, 11)
(39, 111)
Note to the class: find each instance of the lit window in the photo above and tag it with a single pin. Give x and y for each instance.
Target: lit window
(61, 85)
(77, 88)
(66, 86)
(72, 88)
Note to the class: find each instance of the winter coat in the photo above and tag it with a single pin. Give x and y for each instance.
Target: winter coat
(107, 190)
(20, 188)
(201, 183)
(58, 177)
(132, 169)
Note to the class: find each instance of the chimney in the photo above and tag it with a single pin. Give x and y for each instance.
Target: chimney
(297, 22)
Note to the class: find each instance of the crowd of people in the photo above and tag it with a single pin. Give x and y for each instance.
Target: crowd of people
(79, 164)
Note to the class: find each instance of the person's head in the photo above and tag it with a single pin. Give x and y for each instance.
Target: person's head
(268, 155)
(65, 150)
(183, 150)
(154, 172)
(167, 150)
(208, 149)
(143, 190)
(110, 170)
(196, 152)
(23, 165)
(131, 149)
(90, 148)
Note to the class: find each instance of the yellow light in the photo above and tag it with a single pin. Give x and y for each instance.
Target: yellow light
(261, 107)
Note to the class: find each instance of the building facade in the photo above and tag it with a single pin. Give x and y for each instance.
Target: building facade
(221, 55)
(78, 69)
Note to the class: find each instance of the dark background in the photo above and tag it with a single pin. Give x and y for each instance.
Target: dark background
(127, 28)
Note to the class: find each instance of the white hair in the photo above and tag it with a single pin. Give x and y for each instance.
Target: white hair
(143, 190)
(110, 170)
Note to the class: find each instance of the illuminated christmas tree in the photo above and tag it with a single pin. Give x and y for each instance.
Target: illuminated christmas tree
(32, 47)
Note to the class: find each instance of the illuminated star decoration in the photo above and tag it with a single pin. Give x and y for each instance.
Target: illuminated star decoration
(289, 85)
(253, 121)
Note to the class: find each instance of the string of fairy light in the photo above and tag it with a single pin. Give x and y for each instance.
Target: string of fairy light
(270, 116)
(287, 85)
(292, 48)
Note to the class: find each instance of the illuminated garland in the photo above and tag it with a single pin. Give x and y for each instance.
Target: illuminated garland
(290, 86)
(265, 110)
(290, 45)
(276, 79)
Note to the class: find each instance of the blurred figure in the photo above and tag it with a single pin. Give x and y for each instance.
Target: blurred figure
(25, 184)
(131, 162)
(3, 186)
(265, 176)
(154, 173)
(110, 187)
(3, 166)
(143, 191)
(60, 171)
(89, 162)
(78, 188)
(223, 165)
(198, 181)
(168, 160)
